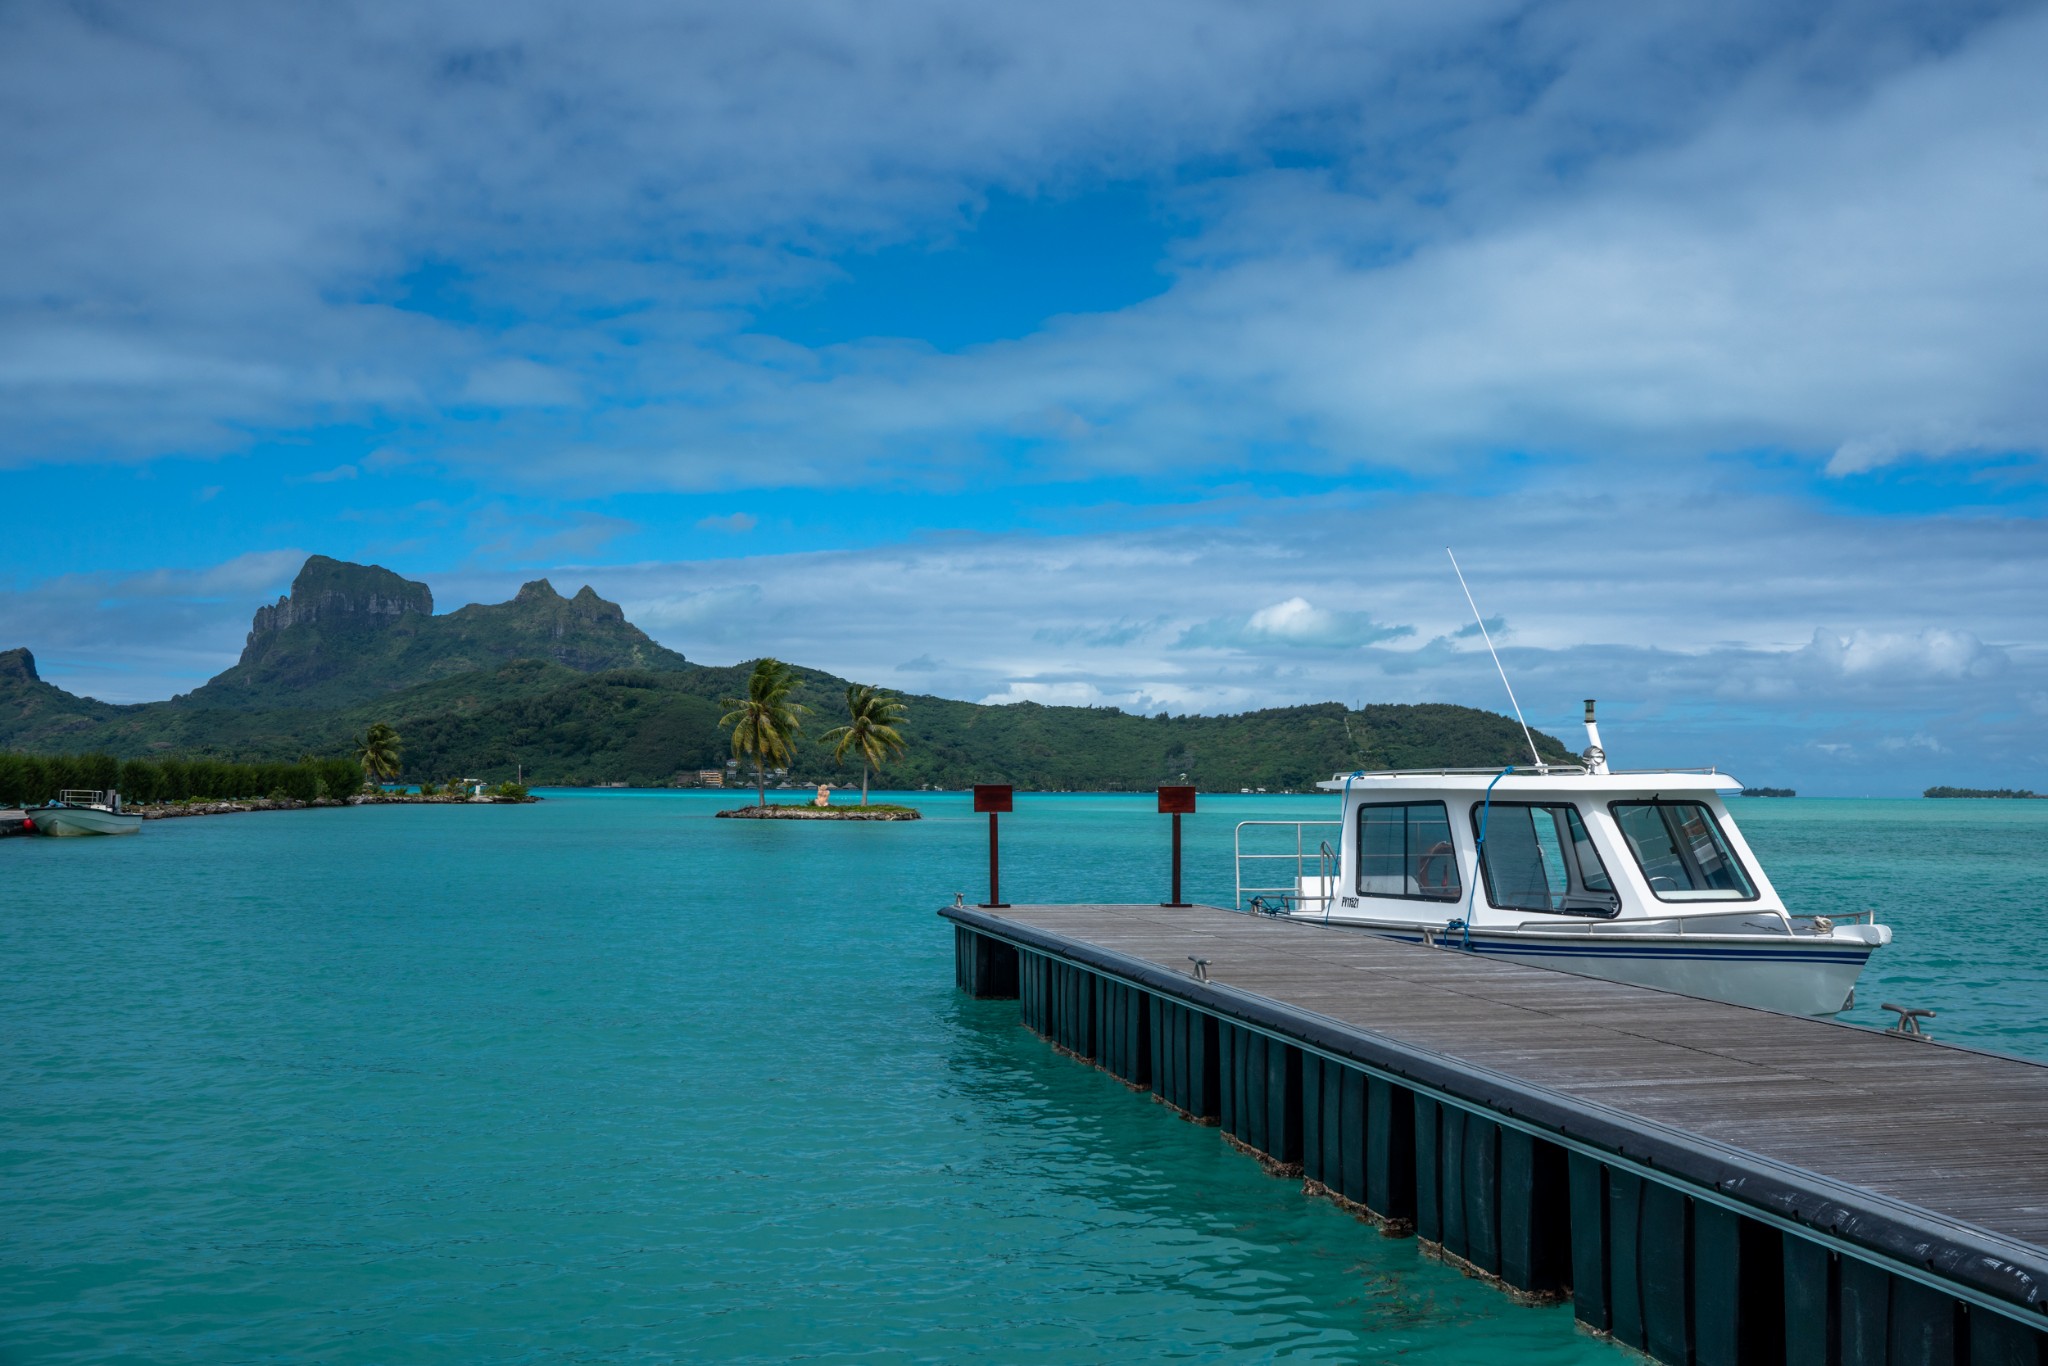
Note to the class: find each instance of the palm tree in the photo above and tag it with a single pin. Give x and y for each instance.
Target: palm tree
(871, 733)
(377, 751)
(764, 722)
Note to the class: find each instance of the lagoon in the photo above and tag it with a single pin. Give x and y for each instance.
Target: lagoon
(607, 1079)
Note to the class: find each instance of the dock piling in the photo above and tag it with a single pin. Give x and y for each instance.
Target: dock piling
(984, 967)
(1590, 1302)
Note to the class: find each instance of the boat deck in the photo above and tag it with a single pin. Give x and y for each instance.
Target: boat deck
(1958, 1134)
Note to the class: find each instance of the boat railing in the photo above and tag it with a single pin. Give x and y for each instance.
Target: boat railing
(1258, 868)
(80, 796)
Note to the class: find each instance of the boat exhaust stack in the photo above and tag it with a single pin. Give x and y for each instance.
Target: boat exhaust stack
(1595, 758)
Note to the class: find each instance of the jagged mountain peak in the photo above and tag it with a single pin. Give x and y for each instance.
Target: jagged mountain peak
(587, 605)
(337, 591)
(19, 665)
(591, 607)
(351, 631)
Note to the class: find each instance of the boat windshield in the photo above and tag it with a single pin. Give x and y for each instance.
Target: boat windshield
(1540, 858)
(1404, 849)
(1682, 851)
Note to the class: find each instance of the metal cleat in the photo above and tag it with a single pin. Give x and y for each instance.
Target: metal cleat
(1908, 1022)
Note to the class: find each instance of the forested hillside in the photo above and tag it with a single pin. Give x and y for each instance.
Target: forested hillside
(568, 691)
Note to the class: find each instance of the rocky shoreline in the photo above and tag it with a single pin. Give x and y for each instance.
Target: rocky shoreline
(160, 811)
(792, 812)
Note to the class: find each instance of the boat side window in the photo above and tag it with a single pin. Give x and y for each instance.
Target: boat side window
(1682, 851)
(1404, 849)
(1540, 858)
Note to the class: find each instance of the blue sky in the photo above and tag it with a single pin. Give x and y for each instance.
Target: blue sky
(1145, 355)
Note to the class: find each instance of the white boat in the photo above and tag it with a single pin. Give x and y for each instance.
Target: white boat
(1639, 877)
(84, 813)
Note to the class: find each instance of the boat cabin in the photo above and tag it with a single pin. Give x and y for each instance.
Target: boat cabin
(1528, 847)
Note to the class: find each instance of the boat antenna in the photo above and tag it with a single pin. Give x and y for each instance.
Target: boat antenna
(1488, 638)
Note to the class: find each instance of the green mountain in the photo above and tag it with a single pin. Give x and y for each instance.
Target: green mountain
(350, 632)
(571, 692)
(39, 715)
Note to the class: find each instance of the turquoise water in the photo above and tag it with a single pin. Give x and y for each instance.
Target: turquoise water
(1964, 886)
(604, 1079)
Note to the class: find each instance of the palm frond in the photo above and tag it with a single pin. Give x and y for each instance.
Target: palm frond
(870, 730)
(764, 722)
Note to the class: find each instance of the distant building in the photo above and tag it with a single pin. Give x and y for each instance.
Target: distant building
(711, 777)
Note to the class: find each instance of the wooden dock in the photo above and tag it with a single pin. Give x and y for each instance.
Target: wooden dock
(1707, 1183)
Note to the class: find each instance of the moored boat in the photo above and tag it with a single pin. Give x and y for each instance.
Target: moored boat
(84, 813)
(1639, 877)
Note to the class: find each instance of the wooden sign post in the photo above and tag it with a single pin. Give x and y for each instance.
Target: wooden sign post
(1176, 802)
(993, 798)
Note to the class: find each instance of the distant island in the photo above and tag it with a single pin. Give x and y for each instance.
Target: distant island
(793, 811)
(1979, 792)
(1769, 792)
(565, 691)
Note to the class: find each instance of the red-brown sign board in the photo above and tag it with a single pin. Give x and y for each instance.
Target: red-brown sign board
(1176, 801)
(992, 796)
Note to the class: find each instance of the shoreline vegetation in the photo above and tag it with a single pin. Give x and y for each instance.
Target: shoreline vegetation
(29, 780)
(791, 811)
(2020, 793)
(159, 789)
(200, 806)
(1769, 792)
(160, 811)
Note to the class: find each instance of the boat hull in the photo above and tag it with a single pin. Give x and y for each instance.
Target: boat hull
(67, 821)
(1791, 975)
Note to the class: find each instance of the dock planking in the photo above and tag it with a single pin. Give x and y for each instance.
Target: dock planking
(1737, 1157)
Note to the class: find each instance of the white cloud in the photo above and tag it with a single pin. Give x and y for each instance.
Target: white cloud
(1658, 235)
(1932, 655)
(734, 522)
(1619, 242)
(1069, 694)
(1294, 622)
(1848, 283)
